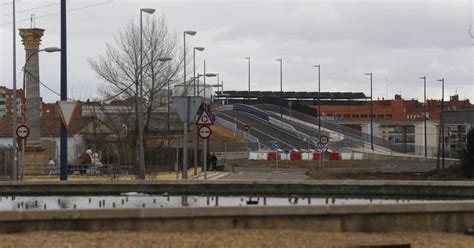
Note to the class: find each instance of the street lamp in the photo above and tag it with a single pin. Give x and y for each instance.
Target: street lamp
(319, 106)
(196, 93)
(371, 113)
(14, 173)
(205, 141)
(200, 49)
(441, 122)
(281, 87)
(141, 156)
(425, 117)
(248, 58)
(192, 33)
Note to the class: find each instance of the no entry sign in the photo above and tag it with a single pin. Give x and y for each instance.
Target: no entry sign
(22, 131)
(324, 139)
(204, 132)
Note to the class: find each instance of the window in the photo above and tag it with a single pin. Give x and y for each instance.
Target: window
(388, 116)
(355, 116)
(363, 116)
(347, 116)
(380, 116)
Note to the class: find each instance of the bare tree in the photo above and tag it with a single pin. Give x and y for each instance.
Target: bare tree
(119, 68)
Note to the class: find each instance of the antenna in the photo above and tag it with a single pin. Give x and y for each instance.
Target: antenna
(32, 20)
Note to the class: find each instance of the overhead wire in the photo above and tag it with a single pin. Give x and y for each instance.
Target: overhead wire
(57, 13)
(26, 10)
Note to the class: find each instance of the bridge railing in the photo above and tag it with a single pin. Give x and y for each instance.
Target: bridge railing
(233, 128)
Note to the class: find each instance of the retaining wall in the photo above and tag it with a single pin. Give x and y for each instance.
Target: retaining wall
(426, 217)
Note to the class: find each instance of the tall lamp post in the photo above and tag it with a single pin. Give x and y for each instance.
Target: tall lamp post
(425, 116)
(319, 107)
(371, 113)
(14, 173)
(196, 93)
(281, 87)
(63, 137)
(248, 58)
(442, 124)
(200, 49)
(192, 33)
(139, 97)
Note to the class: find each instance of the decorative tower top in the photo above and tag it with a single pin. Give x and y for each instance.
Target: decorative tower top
(31, 37)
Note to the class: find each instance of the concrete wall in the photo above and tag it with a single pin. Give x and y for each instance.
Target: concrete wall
(432, 129)
(351, 188)
(421, 217)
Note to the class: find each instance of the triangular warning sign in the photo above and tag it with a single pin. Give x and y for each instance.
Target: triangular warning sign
(67, 110)
(204, 118)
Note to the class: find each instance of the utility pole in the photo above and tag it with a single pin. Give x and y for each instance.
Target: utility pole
(14, 168)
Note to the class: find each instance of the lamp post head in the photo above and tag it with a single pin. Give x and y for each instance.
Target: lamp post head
(148, 10)
(280, 60)
(211, 74)
(164, 59)
(316, 66)
(424, 77)
(190, 32)
(52, 49)
(368, 74)
(247, 58)
(199, 48)
(440, 80)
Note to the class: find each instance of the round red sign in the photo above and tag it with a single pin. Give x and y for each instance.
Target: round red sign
(204, 132)
(22, 131)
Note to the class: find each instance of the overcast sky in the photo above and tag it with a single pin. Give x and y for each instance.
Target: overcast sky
(399, 41)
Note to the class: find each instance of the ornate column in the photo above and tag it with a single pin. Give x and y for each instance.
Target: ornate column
(33, 158)
(31, 38)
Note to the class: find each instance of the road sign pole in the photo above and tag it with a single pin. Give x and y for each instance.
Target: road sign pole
(204, 167)
(177, 158)
(276, 159)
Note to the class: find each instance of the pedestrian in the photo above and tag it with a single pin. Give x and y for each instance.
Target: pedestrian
(214, 162)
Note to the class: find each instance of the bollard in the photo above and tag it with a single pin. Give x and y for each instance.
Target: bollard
(126, 199)
(217, 201)
(154, 200)
(264, 200)
(74, 206)
(26, 206)
(143, 205)
(309, 200)
(59, 201)
(333, 200)
(44, 207)
(207, 200)
(123, 201)
(89, 200)
(113, 204)
(18, 204)
(327, 201)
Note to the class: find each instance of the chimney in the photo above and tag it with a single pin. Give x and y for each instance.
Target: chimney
(398, 97)
(454, 98)
(31, 38)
